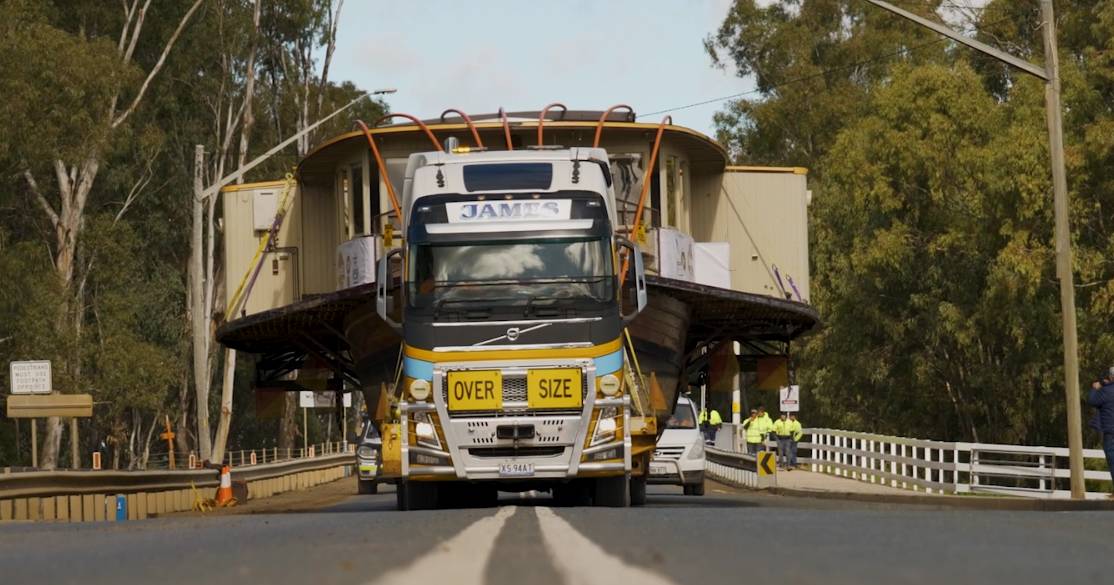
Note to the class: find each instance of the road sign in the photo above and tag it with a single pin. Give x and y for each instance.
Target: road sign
(32, 377)
(766, 463)
(308, 399)
(42, 405)
(790, 398)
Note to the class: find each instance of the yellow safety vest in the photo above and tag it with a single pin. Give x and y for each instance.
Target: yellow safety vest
(716, 418)
(795, 429)
(781, 428)
(754, 430)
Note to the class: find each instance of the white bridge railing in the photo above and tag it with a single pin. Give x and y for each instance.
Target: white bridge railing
(938, 467)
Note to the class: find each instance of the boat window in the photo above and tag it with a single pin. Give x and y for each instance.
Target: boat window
(672, 190)
(356, 181)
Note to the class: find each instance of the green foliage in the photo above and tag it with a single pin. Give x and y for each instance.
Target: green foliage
(56, 88)
(931, 224)
(125, 340)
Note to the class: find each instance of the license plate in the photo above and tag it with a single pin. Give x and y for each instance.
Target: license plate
(477, 390)
(659, 469)
(554, 388)
(516, 469)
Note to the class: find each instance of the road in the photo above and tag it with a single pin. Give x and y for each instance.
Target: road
(727, 536)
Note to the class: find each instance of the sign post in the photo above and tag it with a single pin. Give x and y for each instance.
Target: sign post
(790, 398)
(30, 377)
(34, 443)
(168, 436)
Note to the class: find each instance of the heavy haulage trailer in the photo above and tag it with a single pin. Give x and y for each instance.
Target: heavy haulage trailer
(516, 317)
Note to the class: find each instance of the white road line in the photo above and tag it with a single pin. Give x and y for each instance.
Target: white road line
(580, 560)
(461, 560)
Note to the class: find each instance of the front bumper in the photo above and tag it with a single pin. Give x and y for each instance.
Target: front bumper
(466, 447)
(675, 473)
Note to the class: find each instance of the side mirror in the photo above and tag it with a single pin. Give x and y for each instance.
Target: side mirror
(636, 277)
(384, 297)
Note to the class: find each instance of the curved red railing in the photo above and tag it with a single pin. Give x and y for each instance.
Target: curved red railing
(506, 128)
(468, 121)
(541, 117)
(603, 118)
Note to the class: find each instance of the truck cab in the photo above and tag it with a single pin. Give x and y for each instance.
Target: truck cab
(507, 292)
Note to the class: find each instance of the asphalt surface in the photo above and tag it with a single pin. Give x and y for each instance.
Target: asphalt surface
(726, 536)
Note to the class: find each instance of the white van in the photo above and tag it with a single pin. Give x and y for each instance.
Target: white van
(679, 456)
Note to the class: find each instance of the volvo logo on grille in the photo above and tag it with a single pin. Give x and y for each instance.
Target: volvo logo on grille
(512, 333)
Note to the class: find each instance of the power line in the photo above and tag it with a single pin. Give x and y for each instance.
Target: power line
(816, 75)
(799, 79)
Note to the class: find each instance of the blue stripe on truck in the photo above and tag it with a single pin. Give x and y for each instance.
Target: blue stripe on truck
(610, 363)
(417, 369)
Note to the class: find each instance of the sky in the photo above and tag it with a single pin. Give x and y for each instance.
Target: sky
(479, 55)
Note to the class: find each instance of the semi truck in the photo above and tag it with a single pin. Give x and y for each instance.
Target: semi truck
(509, 293)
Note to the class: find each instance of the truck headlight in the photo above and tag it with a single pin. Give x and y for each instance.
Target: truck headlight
(425, 432)
(609, 385)
(697, 450)
(365, 452)
(419, 389)
(605, 427)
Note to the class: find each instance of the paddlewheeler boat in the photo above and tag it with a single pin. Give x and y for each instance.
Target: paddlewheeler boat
(724, 251)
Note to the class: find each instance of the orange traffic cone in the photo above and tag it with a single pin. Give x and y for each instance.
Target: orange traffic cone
(224, 492)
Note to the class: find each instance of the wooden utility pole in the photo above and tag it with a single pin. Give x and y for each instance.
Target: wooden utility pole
(1050, 74)
(1054, 114)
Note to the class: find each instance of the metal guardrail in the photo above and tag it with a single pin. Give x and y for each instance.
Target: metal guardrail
(736, 468)
(948, 467)
(57, 483)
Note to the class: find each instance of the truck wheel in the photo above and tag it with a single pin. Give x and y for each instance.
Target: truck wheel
(418, 495)
(612, 492)
(365, 487)
(638, 491)
(694, 489)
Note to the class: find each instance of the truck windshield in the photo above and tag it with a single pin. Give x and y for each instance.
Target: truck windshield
(532, 273)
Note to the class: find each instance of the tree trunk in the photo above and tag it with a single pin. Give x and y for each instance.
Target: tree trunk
(198, 317)
(181, 436)
(288, 427)
(225, 405)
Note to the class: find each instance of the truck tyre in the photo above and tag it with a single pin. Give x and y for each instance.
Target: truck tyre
(638, 490)
(612, 492)
(694, 489)
(417, 495)
(367, 486)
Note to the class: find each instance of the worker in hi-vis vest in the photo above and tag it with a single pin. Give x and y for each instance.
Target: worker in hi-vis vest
(795, 435)
(784, 433)
(754, 427)
(710, 424)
